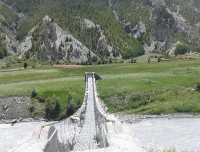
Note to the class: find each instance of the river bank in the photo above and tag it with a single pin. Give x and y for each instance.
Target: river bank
(163, 134)
(14, 109)
(126, 118)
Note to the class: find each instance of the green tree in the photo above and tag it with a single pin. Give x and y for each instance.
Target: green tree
(149, 60)
(71, 47)
(52, 107)
(60, 48)
(25, 65)
(1, 54)
(71, 109)
(181, 49)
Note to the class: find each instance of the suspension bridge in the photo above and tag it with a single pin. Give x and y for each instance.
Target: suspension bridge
(90, 129)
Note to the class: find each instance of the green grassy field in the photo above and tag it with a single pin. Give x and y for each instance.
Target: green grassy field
(141, 88)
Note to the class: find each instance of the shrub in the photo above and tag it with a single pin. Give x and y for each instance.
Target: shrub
(198, 86)
(71, 108)
(183, 106)
(158, 59)
(97, 138)
(40, 99)
(149, 60)
(34, 94)
(131, 60)
(181, 49)
(18, 61)
(94, 59)
(7, 65)
(110, 60)
(31, 108)
(52, 107)
(25, 65)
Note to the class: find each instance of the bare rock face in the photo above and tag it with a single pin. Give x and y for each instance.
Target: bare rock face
(25, 46)
(163, 25)
(11, 46)
(58, 44)
(136, 31)
(72, 49)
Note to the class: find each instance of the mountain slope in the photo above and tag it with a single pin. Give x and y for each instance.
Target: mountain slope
(47, 41)
(67, 15)
(8, 23)
(120, 28)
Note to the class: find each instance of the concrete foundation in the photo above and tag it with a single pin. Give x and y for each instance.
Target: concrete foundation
(43, 139)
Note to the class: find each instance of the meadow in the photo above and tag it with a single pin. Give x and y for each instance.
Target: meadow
(140, 88)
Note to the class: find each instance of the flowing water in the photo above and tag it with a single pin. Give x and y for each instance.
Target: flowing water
(160, 134)
(12, 135)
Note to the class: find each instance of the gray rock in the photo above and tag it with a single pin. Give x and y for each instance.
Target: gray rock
(13, 122)
(138, 29)
(5, 107)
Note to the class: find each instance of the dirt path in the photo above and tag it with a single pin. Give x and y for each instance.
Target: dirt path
(16, 69)
(63, 65)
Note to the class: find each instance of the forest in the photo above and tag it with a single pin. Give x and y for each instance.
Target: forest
(69, 15)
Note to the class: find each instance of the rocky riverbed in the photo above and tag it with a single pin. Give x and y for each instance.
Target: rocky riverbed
(125, 118)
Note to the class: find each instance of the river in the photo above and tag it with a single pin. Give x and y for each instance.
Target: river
(12, 135)
(160, 134)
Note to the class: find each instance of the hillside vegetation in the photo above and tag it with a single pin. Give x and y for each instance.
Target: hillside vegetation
(141, 86)
(111, 18)
(69, 15)
(7, 18)
(188, 11)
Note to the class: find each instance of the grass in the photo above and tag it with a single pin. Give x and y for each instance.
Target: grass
(141, 88)
(153, 88)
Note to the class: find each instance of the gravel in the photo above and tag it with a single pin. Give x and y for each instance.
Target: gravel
(125, 118)
(14, 109)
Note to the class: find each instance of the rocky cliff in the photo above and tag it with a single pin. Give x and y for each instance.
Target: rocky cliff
(168, 22)
(54, 43)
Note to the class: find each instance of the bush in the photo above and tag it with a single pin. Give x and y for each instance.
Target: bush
(25, 65)
(149, 60)
(183, 106)
(158, 59)
(181, 49)
(198, 86)
(131, 60)
(40, 99)
(7, 65)
(97, 138)
(71, 109)
(34, 94)
(110, 60)
(122, 61)
(18, 61)
(52, 107)
(31, 108)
